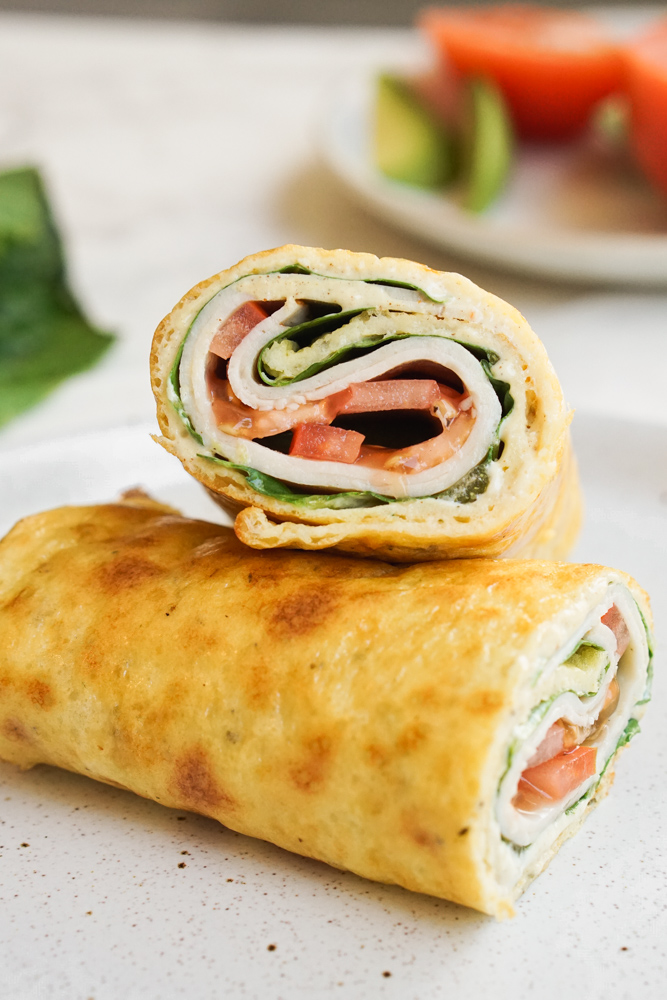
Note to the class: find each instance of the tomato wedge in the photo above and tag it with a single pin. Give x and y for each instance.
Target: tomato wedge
(554, 779)
(234, 417)
(646, 80)
(320, 441)
(237, 326)
(427, 454)
(616, 622)
(552, 66)
(392, 394)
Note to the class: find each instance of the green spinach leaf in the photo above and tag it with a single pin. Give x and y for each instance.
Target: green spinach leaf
(174, 392)
(300, 269)
(44, 335)
(279, 490)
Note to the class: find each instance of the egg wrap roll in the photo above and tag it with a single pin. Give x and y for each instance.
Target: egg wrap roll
(331, 399)
(369, 715)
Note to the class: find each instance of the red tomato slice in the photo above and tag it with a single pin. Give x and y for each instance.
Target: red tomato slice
(425, 455)
(554, 779)
(646, 79)
(616, 622)
(328, 444)
(234, 417)
(393, 394)
(237, 326)
(552, 66)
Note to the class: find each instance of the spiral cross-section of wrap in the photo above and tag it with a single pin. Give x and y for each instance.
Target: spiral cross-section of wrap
(443, 726)
(334, 399)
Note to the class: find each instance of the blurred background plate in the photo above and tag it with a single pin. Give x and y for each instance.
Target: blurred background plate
(569, 211)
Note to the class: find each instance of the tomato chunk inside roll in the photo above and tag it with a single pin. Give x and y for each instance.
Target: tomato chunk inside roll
(584, 705)
(263, 376)
(446, 428)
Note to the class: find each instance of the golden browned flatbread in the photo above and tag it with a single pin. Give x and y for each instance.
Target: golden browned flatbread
(376, 717)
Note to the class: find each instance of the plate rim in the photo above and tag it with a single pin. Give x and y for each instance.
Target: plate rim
(636, 259)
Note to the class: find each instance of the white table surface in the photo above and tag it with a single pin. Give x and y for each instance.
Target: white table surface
(171, 151)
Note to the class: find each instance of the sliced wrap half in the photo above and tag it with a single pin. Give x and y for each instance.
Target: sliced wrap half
(334, 399)
(442, 726)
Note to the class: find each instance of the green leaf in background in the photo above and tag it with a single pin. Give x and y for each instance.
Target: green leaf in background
(44, 336)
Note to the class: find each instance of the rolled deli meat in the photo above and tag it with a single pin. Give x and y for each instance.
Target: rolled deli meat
(443, 726)
(334, 399)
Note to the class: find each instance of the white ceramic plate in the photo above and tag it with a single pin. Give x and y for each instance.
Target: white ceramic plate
(569, 212)
(94, 905)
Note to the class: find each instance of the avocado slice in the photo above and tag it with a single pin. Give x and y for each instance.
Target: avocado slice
(488, 144)
(611, 122)
(410, 145)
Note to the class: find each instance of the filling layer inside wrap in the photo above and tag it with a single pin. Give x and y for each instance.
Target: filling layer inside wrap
(582, 708)
(338, 392)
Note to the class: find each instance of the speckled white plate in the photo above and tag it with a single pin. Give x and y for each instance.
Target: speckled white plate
(94, 903)
(569, 211)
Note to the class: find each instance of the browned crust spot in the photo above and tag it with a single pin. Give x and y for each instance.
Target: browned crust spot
(15, 731)
(376, 754)
(421, 836)
(127, 572)
(309, 774)
(40, 694)
(411, 736)
(196, 784)
(486, 702)
(303, 611)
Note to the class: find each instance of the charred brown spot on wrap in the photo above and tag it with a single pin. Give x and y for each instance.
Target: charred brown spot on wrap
(196, 784)
(40, 694)
(14, 730)
(485, 702)
(86, 531)
(36, 691)
(310, 772)
(91, 658)
(260, 684)
(125, 572)
(303, 611)
(420, 835)
(410, 738)
(145, 540)
(377, 754)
